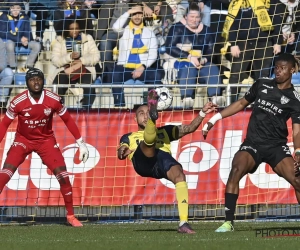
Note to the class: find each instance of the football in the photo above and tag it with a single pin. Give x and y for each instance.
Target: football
(165, 98)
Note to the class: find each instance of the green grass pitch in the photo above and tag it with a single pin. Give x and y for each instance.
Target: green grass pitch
(146, 235)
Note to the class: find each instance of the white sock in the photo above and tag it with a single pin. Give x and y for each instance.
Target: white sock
(182, 222)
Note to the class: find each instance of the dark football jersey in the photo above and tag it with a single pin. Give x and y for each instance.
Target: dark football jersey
(272, 108)
(165, 135)
(35, 117)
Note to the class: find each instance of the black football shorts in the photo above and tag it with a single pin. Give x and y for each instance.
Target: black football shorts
(155, 167)
(267, 153)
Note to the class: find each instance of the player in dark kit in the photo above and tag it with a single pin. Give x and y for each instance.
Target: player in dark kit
(275, 101)
(35, 108)
(149, 149)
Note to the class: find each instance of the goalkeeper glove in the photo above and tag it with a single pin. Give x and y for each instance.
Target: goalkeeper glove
(83, 150)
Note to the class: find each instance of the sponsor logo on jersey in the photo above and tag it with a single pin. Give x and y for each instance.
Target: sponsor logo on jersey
(267, 86)
(269, 107)
(47, 111)
(265, 91)
(43, 121)
(284, 100)
(27, 114)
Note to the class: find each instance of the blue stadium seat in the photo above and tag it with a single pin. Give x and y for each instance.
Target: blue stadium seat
(22, 50)
(98, 81)
(33, 16)
(295, 78)
(20, 78)
(131, 81)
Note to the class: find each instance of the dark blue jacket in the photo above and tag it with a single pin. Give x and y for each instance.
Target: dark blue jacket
(23, 24)
(178, 33)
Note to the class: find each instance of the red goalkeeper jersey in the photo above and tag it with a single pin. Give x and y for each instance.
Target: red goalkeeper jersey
(35, 116)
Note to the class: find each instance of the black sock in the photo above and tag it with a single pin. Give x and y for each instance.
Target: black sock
(230, 204)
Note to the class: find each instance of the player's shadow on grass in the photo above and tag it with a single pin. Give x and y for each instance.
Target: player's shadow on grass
(156, 230)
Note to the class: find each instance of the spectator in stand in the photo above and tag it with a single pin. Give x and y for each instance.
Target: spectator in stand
(137, 53)
(41, 14)
(189, 42)
(291, 24)
(75, 66)
(72, 9)
(254, 37)
(179, 7)
(15, 31)
(110, 11)
(6, 76)
(204, 6)
(93, 7)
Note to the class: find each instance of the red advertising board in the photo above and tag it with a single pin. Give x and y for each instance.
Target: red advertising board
(104, 180)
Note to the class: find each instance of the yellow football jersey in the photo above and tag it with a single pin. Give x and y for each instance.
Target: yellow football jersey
(164, 136)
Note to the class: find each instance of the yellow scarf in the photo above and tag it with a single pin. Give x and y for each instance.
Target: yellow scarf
(259, 8)
(69, 7)
(14, 29)
(138, 31)
(135, 47)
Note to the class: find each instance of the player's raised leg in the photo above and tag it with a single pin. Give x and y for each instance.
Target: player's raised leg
(176, 175)
(152, 100)
(53, 159)
(148, 145)
(242, 164)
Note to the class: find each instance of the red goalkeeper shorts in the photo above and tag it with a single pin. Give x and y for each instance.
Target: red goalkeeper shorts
(47, 149)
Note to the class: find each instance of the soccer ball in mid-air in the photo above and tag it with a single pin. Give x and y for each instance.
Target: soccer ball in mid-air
(165, 98)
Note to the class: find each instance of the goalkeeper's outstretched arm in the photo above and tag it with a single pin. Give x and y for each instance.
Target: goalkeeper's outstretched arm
(71, 125)
(229, 111)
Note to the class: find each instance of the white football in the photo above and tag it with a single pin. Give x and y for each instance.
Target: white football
(165, 98)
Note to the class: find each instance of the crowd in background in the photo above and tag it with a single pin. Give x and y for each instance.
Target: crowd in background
(133, 41)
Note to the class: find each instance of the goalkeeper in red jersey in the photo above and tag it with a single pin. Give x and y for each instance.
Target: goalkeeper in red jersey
(149, 150)
(35, 108)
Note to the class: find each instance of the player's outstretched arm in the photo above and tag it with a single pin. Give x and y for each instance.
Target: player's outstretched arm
(123, 152)
(229, 111)
(4, 124)
(194, 125)
(296, 141)
(71, 125)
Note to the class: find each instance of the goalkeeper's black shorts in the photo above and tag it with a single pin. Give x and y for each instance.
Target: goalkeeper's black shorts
(267, 153)
(155, 167)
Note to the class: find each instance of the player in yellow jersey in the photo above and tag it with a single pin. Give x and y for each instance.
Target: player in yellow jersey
(149, 150)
